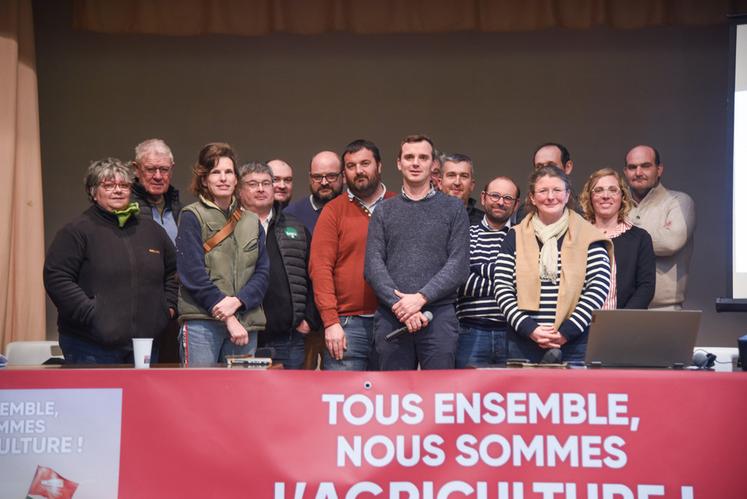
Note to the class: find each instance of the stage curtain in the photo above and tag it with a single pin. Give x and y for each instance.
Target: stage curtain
(22, 302)
(261, 17)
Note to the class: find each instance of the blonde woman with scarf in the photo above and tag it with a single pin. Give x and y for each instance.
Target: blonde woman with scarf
(553, 270)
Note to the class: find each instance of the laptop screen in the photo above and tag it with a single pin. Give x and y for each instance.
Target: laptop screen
(642, 338)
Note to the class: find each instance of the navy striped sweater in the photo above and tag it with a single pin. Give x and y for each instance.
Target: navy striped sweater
(476, 302)
(594, 292)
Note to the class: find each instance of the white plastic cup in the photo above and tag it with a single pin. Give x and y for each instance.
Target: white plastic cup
(141, 348)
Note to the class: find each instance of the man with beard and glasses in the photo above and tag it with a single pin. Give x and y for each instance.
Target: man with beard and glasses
(669, 217)
(325, 184)
(344, 299)
(417, 256)
(482, 327)
(458, 180)
(282, 181)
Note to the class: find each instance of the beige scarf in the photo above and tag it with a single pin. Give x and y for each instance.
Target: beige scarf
(548, 236)
(573, 253)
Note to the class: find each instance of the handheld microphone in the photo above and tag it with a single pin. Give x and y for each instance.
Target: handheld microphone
(552, 356)
(398, 332)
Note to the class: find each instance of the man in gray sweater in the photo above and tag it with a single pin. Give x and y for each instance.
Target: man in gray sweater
(417, 255)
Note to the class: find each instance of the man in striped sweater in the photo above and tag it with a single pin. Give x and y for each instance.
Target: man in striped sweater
(482, 327)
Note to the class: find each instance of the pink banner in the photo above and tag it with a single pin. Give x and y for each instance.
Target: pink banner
(450, 434)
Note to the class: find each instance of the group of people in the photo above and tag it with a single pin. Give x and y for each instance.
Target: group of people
(356, 275)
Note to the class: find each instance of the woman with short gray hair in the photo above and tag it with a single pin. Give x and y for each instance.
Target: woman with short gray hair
(552, 272)
(111, 274)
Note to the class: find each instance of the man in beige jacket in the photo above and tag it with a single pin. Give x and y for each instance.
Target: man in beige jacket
(669, 216)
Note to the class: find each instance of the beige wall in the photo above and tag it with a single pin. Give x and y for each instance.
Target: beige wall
(492, 96)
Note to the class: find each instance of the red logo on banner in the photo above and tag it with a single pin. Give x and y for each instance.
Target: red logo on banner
(50, 484)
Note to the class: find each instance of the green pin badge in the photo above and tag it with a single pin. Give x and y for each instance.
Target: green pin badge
(291, 233)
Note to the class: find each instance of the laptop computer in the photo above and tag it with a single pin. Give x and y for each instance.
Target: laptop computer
(642, 338)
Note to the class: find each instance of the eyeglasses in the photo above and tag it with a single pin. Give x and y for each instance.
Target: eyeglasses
(612, 190)
(544, 192)
(110, 186)
(254, 185)
(152, 170)
(495, 197)
(330, 177)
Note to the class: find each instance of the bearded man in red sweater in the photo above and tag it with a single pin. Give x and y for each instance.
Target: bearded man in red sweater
(345, 301)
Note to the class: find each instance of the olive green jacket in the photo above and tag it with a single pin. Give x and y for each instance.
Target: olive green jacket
(229, 265)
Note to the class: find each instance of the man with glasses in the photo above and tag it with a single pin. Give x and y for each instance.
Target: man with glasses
(289, 302)
(482, 327)
(458, 180)
(669, 217)
(282, 181)
(152, 190)
(159, 201)
(325, 184)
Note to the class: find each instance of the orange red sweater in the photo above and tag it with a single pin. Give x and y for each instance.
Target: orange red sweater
(338, 251)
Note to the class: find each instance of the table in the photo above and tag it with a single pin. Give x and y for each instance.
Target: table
(302, 434)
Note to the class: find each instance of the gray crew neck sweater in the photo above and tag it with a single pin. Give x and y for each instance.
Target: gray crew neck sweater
(418, 246)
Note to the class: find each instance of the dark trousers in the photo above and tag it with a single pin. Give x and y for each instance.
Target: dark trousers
(433, 347)
(79, 350)
(520, 347)
(167, 344)
(286, 348)
(313, 348)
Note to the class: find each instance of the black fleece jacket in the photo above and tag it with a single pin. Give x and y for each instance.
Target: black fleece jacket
(111, 284)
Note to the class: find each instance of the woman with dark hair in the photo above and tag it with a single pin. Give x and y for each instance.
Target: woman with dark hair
(606, 201)
(552, 272)
(222, 263)
(110, 273)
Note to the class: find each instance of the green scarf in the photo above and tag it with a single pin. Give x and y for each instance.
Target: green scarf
(124, 215)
